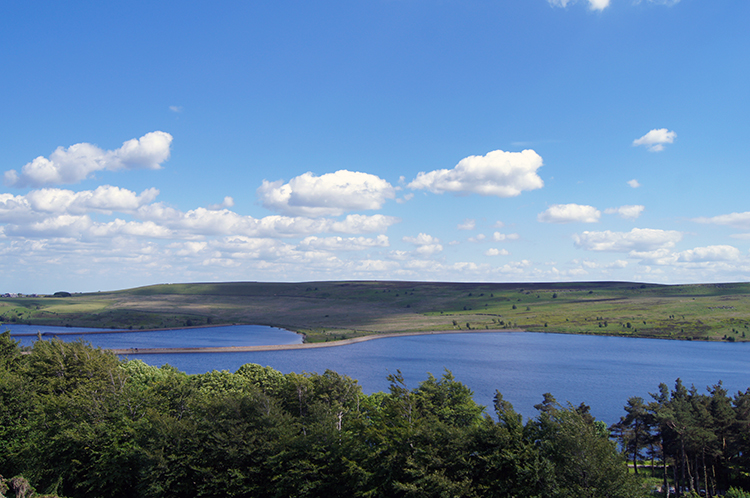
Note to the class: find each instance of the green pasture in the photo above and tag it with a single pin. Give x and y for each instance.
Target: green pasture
(327, 311)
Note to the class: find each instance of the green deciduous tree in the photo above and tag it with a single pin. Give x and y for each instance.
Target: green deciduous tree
(585, 462)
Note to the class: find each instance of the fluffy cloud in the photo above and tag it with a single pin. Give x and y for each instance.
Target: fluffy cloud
(359, 223)
(468, 224)
(64, 226)
(238, 247)
(654, 140)
(496, 252)
(499, 173)
(626, 212)
(104, 199)
(603, 4)
(569, 213)
(593, 4)
(426, 244)
(53, 212)
(226, 203)
(634, 183)
(715, 258)
(710, 253)
(500, 237)
(342, 244)
(146, 229)
(375, 266)
(421, 239)
(79, 161)
(44, 203)
(577, 213)
(331, 194)
(406, 198)
(592, 265)
(737, 220)
(514, 268)
(206, 222)
(82, 227)
(638, 239)
(668, 3)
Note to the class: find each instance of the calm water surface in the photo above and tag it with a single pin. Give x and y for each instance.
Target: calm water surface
(233, 335)
(603, 372)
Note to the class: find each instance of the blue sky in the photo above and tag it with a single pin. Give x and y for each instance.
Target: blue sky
(513, 140)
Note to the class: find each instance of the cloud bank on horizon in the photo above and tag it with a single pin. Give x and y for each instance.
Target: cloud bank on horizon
(312, 145)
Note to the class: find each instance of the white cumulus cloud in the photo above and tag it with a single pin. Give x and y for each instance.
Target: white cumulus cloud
(710, 253)
(500, 237)
(496, 252)
(467, 224)
(634, 183)
(331, 194)
(226, 203)
(593, 4)
(421, 239)
(47, 202)
(737, 220)
(343, 244)
(64, 225)
(147, 229)
(598, 4)
(360, 223)
(638, 239)
(668, 3)
(205, 222)
(569, 213)
(499, 173)
(592, 265)
(426, 244)
(626, 212)
(406, 198)
(655, 139)
(79, 161)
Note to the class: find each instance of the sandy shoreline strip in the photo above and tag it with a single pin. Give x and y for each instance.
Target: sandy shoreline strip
(283, 347)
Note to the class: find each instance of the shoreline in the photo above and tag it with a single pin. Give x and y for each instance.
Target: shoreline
(304, 345)
(129, 331)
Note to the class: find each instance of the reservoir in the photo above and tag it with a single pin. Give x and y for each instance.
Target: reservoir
(231, 335)
(602, 372)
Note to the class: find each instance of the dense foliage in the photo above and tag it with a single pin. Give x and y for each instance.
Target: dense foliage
(703, 438)
(76, 421)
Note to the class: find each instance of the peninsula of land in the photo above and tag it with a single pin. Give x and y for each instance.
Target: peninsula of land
(282, 347)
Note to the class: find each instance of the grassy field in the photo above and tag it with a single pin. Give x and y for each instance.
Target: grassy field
(338, 310)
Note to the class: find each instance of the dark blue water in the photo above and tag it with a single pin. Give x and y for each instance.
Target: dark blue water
(234, 335)
(602, 372)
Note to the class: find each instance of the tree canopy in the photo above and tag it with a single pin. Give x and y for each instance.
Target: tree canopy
(76, 421)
